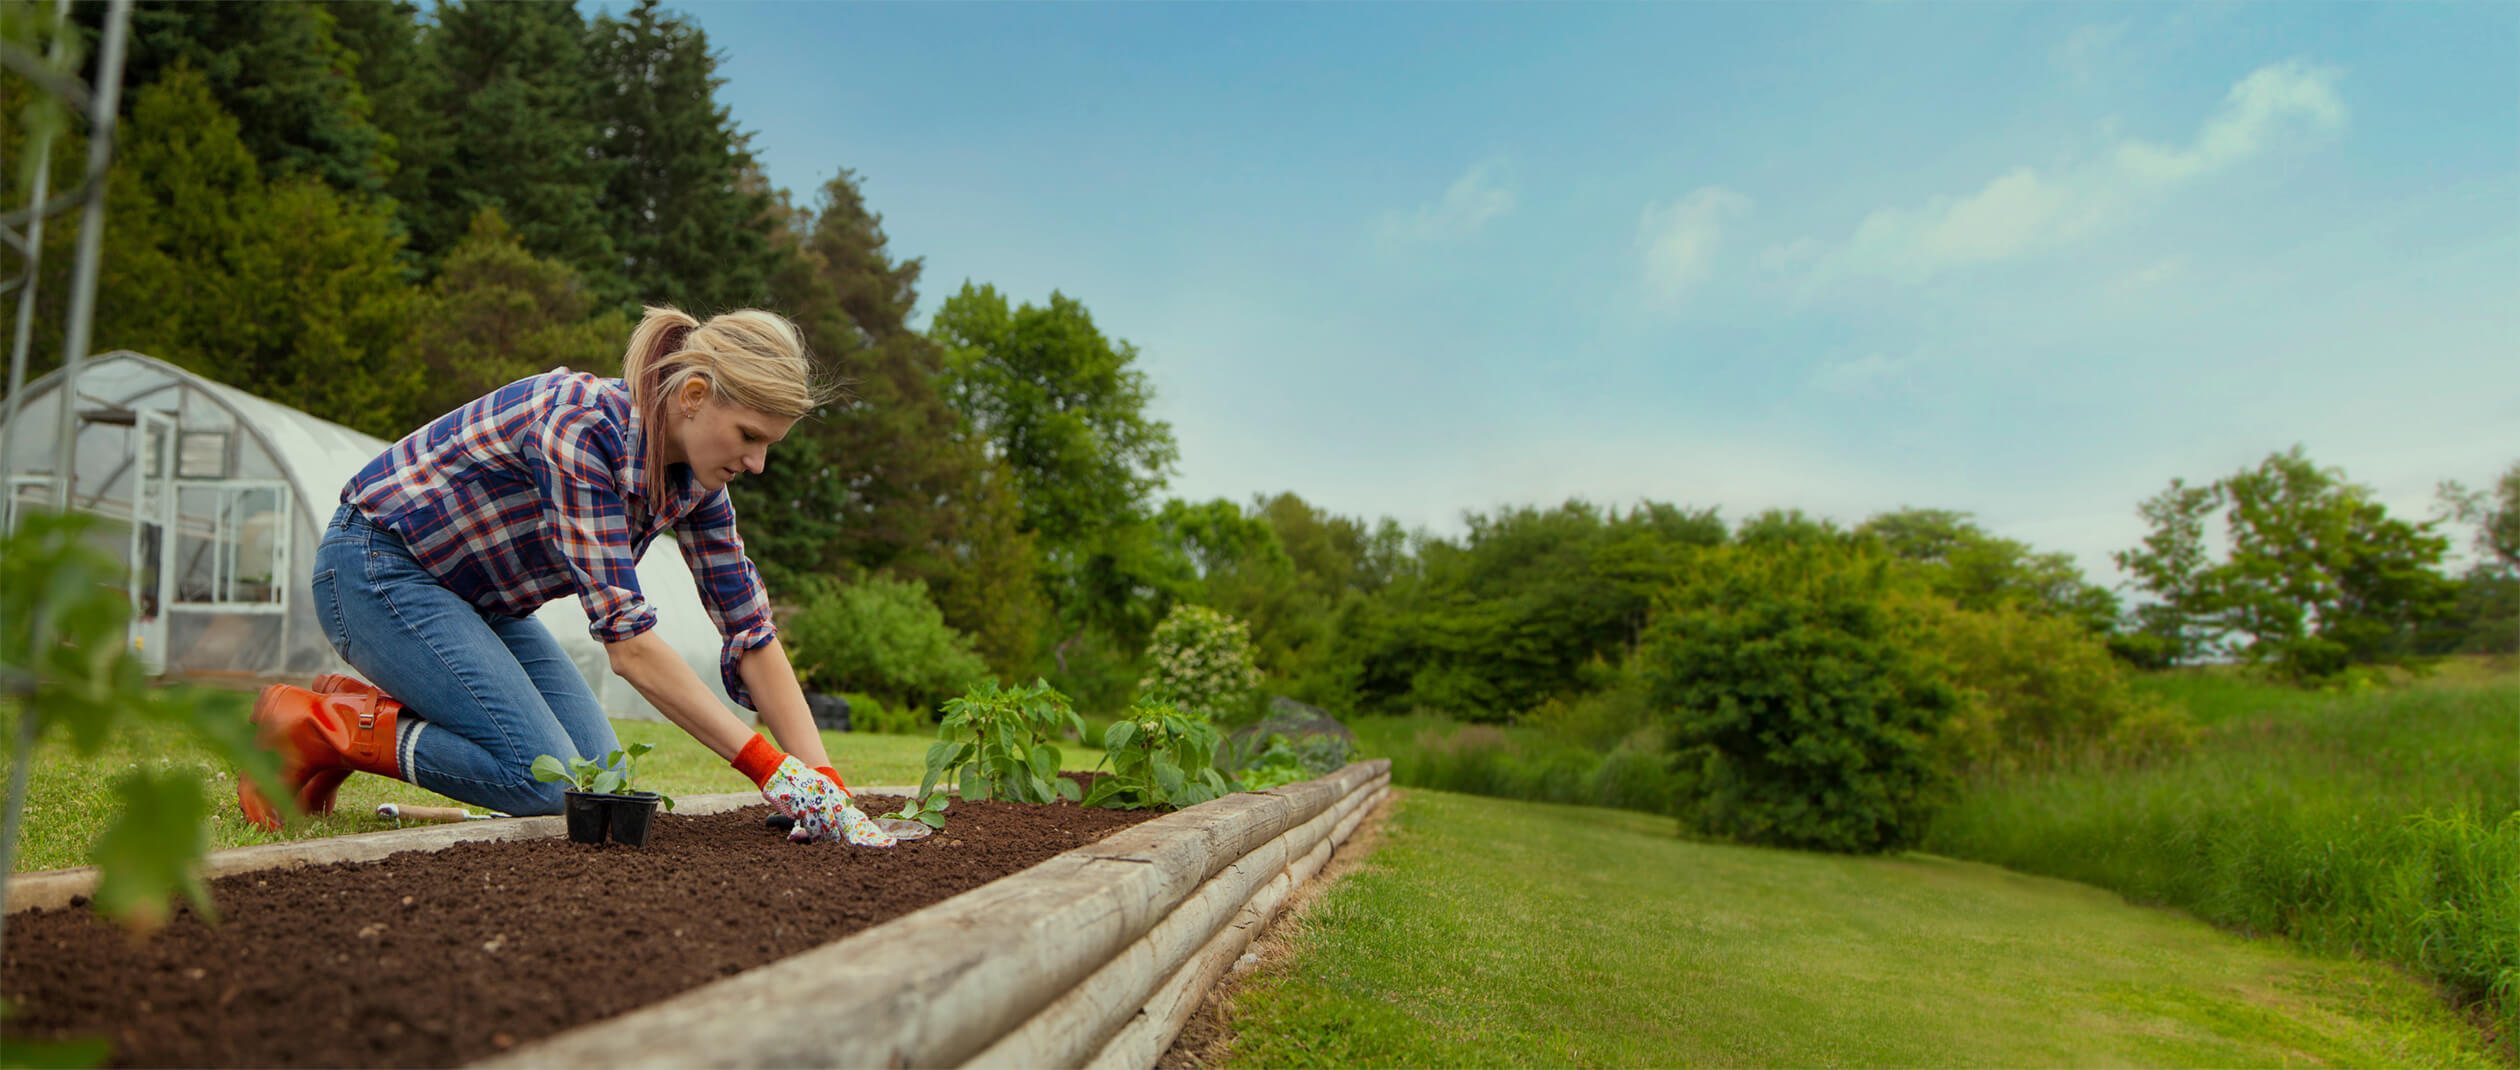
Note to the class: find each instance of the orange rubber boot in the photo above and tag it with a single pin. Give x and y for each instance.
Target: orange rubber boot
(315, 734)
(315, 797)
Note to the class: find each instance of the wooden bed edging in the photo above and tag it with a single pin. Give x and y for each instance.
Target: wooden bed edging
(1095, 955)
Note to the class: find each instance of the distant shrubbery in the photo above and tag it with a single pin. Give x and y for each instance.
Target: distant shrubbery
(881, 637)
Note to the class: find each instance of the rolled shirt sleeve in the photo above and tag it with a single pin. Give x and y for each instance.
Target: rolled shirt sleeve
(730, 587)
(586, 521)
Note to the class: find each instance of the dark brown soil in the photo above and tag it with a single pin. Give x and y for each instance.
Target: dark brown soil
(439, 958)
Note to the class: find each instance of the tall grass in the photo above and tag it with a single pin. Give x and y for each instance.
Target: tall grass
(1521, 762)
(2384, 823)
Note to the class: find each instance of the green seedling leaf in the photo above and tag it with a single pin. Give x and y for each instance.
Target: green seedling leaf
(640, 750)
(152, 851)
(548, 770)
(607, 782)
(973, 787)
(1068, 790)
(1045, 760)
(1119, 735)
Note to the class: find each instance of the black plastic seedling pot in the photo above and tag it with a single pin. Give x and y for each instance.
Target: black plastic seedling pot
(625, 819)
(631, 817)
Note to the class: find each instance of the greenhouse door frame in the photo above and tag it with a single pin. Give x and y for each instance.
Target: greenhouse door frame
(153, 441)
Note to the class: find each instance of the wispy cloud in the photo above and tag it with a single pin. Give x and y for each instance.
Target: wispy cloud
(2025, 210)
(2288, 99)
(1678, 241)
(1467, 205)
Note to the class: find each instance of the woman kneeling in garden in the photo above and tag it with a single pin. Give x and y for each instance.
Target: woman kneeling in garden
(551, 486)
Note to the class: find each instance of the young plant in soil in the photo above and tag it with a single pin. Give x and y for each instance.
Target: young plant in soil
(930, 813)
(1160, 757)
(997, 744)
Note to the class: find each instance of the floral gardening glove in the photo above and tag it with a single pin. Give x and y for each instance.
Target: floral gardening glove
(821, 808)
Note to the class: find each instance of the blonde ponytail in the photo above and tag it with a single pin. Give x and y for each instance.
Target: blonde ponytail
(750, 358)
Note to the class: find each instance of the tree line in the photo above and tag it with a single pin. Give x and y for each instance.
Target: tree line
(375, 213)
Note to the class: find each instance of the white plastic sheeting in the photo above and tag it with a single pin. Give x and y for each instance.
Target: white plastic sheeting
(254, 483)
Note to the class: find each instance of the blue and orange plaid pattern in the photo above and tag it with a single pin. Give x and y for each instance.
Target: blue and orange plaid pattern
(538, 490)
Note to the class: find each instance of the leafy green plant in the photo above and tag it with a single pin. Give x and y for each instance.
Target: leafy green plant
(930, 813)
(996, 743)
(612, 776)
(66, 663)
(1160, 757)
(1282, 761)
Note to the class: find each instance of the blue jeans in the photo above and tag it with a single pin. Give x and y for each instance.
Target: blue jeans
(483, 693)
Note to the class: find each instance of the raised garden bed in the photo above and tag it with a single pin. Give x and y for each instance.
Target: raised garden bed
(535, 948)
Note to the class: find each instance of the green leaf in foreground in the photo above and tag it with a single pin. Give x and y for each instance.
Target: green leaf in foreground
(153, 847)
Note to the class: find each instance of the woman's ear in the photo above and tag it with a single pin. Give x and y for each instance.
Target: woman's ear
(695, 393)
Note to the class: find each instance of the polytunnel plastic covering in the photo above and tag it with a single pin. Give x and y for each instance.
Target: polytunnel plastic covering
(252, 485)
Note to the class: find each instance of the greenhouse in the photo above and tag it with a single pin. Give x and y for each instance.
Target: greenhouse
(216, 499)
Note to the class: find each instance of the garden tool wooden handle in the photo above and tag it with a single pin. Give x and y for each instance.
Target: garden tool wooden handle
(430, 813)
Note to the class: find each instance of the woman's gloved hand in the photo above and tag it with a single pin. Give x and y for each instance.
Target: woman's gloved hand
(821, 808)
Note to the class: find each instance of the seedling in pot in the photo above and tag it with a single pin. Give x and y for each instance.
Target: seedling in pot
(612, 776)
(602, 801)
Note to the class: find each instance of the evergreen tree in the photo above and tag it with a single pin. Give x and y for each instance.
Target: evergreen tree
(404, 87)
(289, 290)
(879, 481)
(278, 70)
(496, 314)
(514, 92)
(689, 230)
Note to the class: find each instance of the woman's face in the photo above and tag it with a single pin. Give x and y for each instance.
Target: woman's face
(720, 441)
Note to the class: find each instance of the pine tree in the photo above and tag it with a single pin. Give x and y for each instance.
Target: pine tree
(690, 232)
(496, 314)
(403, 85)
(286, 289)
(514, 92)
(279, 70)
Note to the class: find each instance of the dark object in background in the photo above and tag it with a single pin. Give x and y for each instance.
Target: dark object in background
(831, 712)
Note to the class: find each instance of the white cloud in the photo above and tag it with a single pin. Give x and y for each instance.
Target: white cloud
(2023, 212)
(1677, 241)
(1466, 206)
(2285, 99)
(2015, 213)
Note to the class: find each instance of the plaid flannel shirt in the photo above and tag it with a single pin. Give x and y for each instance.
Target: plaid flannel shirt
(538, 490)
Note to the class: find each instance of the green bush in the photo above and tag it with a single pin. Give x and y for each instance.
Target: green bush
(1798, 696)
(882, 637)
(869, 714)
(2041, 688)
(1201, 662)
(1282, 761)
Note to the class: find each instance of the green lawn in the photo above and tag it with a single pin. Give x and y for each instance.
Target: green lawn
(68, 797)
(1492, 933)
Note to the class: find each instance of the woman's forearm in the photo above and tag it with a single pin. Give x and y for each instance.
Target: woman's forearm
(781, 700)
(667, 682)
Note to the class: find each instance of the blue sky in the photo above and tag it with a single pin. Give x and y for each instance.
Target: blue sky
(2029, 261)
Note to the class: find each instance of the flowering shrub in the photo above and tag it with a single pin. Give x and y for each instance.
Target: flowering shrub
(1202, 663)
